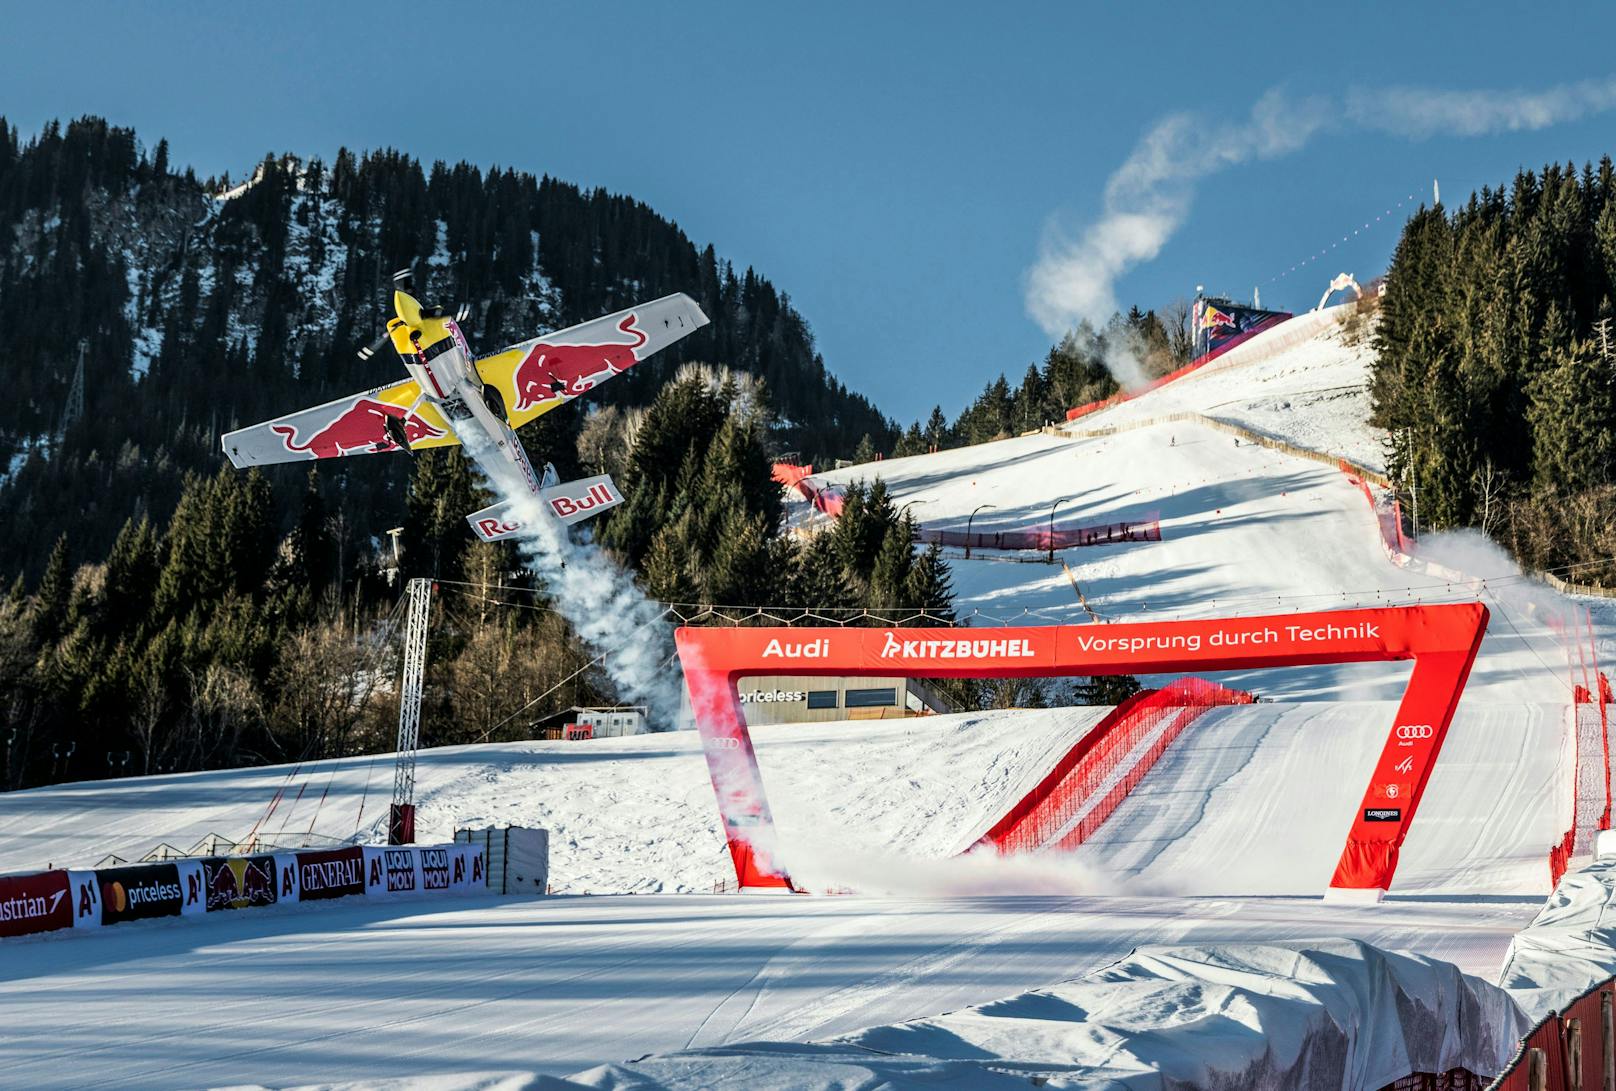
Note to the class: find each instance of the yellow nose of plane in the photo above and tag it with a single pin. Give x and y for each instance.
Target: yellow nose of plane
(408, 310)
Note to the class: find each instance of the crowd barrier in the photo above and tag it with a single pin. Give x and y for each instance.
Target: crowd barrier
(1045, 538)
(52, 900)
(1569, 1050)
(1092, 779)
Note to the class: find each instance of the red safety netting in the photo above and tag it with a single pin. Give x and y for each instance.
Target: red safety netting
(1389, 519)
(1093, 778)
(1591, 783)
(1046, 538)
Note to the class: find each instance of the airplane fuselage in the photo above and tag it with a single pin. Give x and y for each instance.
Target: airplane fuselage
(435, 353)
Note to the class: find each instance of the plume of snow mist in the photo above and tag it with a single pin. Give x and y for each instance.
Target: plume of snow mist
(598, 599)
(826, 866)
(1526, 614)
(1148, 198)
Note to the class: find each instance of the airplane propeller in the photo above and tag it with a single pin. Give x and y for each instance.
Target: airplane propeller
(404, 281)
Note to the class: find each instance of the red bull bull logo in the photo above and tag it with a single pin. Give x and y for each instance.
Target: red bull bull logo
(362, 427)
(566, 371)
(1212, 318)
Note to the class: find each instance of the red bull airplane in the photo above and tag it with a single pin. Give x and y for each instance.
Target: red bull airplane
(451, 393)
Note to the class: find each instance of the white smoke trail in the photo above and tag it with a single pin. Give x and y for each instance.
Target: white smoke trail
(598, 599)
(1149, 197)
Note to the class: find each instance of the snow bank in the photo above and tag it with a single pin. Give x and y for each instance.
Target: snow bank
(1336, 1013)
(1570, 946)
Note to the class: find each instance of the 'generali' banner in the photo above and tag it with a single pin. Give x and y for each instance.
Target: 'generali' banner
(337, 873)
(34, 903)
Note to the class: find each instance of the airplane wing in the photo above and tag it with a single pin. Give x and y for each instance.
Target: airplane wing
(355, 425)
(537, 375)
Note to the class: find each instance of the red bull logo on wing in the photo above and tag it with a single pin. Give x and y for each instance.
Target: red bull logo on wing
(572, 505)
(362, 426)
(566, 371)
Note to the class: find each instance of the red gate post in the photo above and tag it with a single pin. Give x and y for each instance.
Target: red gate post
(1442, 640)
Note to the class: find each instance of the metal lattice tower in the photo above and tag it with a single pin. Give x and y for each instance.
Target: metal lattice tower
(409, 698)
(74, 409)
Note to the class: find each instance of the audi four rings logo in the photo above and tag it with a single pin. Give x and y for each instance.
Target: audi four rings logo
(723, 744)
(1414, 731)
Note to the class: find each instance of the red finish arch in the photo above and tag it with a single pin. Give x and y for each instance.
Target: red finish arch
(1441, 640)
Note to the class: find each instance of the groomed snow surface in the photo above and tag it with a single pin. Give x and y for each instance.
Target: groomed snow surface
(1229, 840)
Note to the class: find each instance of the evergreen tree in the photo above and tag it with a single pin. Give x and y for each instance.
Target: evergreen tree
(1570, 414)
(49, 613)
(930, 587)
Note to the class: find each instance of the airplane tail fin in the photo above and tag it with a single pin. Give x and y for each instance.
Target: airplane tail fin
(572, 502)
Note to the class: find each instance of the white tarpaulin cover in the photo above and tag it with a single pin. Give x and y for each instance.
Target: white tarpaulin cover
(1336, 1014)
(1570, 946)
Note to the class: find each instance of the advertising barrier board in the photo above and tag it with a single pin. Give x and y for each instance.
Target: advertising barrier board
(92, 899)
(239, 882)
(392, 871)
(34, 903)
(139, 893)
(336, 873)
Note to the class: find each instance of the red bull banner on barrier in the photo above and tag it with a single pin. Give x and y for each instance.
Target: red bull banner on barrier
(1441, 640)
(182, 888)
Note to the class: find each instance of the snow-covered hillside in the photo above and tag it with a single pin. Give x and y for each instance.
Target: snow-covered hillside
(1313, 393)
(1252, 800)
(1245, 529)
(628, 814)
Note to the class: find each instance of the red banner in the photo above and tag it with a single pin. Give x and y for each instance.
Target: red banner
(335, 873)
(34, 903)
(1441, 640)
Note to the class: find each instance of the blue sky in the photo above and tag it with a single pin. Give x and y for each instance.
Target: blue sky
(893, 167)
